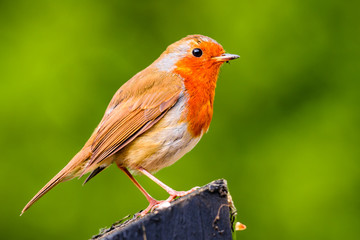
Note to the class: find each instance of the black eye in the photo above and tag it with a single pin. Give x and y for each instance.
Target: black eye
(197, 52)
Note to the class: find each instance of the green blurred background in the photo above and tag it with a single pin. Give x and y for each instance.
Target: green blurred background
(285, 132)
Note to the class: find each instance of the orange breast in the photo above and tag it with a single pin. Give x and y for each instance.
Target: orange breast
(200, 86)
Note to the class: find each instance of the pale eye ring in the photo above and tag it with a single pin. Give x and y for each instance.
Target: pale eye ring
(197, 52)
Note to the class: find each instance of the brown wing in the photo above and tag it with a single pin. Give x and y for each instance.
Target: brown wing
(136, 107)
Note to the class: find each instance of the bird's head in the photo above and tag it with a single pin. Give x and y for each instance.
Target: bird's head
(195, 55)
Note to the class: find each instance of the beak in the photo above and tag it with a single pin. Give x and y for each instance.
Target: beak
(225, 57)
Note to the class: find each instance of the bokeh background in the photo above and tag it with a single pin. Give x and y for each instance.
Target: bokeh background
(285, 132)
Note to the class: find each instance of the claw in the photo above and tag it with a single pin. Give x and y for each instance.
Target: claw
(174, 194)
(154, 204)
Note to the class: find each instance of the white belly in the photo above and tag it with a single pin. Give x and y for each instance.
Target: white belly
(162, 145)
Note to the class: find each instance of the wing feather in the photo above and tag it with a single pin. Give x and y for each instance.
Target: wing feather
(135, 108)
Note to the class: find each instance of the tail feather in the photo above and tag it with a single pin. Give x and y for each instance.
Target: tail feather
(53, 182)
(71, 170)
(94, 173)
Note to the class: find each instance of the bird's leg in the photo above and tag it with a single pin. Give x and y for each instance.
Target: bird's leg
(172, 192)
(152, 201)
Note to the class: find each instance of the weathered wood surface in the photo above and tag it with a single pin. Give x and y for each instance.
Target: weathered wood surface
(207, 213)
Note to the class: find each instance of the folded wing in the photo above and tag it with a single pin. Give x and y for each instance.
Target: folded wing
(135, 108)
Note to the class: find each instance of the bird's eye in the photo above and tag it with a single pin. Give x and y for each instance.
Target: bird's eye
(197, 52)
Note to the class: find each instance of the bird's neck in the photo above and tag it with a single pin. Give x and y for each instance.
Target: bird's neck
(200, 86)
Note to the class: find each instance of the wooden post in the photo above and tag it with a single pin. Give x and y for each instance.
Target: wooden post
(207, 213)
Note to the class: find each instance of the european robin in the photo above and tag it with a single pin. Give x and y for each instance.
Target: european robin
(154, 118)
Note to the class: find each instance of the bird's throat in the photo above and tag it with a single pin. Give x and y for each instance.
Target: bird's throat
(200, 90)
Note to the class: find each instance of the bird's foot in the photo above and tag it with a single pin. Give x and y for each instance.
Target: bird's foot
(174, 194)
(152, 205)
(155, 204)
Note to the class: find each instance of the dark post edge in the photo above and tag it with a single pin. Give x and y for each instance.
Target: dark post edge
(206, 213)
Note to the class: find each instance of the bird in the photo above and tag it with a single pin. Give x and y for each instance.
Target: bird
(154, 118)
